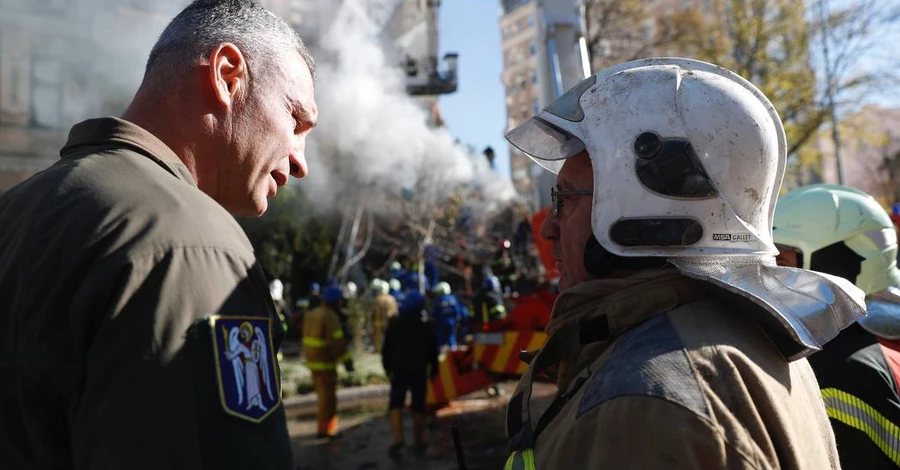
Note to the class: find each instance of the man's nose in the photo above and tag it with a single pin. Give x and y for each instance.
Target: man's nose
(299, 169)
(549, 228)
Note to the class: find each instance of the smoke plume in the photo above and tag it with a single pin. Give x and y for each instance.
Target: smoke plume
(373, 142)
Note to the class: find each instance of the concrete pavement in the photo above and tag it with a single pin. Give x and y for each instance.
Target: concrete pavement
(480, 419)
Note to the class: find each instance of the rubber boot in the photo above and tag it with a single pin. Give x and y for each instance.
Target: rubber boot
(396, 419)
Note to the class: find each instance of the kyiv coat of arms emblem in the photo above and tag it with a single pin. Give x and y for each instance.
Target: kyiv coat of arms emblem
(245, 366)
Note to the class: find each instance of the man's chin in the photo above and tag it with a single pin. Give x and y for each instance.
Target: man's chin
(254, 210)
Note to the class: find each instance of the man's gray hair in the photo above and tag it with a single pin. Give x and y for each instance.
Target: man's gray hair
(205, 24)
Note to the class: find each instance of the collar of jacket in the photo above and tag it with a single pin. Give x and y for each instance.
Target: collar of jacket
(111, 133)
(586, 318)
(623, 302)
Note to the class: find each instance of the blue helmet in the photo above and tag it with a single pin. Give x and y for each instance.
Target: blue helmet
(332, 295)
(491, 283)
(413, 303)
(411, 281)
(315, 288)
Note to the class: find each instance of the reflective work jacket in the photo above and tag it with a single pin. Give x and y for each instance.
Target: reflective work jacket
(323, 339)
(858, 373)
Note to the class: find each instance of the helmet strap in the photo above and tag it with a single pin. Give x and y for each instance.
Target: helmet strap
(601, 263)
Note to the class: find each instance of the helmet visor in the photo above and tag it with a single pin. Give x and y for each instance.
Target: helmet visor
(545, 143)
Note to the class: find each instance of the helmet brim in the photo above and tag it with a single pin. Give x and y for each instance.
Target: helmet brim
(545, 143)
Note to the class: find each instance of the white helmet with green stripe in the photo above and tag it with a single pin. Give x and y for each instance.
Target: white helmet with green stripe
(814, 217)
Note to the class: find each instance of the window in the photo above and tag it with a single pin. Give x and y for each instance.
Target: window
(534, 78)
(522, 81)
(530, 20)
(535, 106)
(532, 49)
(523, 111)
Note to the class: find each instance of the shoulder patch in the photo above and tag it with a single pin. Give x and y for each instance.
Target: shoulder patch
(648, 360)
(249, 387)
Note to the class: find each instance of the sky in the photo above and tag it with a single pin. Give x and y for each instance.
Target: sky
(476, 113)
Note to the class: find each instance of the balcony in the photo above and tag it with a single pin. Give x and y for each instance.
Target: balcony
(424, 78)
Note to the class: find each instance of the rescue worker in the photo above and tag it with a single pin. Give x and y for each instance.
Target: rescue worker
(673, 343)
(135, 317)
(315, 296)
(384, 307)
(396, 290)
(396, 271)
(276, 290)
(408, 356)
(324, 347)
(845, 232)
(505, 268)
(488, 303)
(352, 317)
(447, 314)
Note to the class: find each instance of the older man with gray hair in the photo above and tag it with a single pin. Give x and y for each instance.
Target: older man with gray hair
(137, 327)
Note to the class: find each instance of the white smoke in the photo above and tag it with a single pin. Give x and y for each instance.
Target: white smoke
(373, 142)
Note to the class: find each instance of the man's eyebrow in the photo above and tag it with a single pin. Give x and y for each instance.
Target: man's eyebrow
(304, 114)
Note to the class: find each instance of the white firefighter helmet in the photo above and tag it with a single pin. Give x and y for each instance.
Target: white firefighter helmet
(350, 289)
(394, 284)
(276, 290)
(687, 157)
(442, 288)
(813, 217)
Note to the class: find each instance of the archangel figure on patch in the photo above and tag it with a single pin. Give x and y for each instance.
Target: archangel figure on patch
(245, 347)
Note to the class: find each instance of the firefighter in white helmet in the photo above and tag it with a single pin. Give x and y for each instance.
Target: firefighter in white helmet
(845, 232)
(675, 341)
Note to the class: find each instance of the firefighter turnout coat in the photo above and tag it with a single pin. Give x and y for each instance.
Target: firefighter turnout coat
(661, 372)
(324, 344)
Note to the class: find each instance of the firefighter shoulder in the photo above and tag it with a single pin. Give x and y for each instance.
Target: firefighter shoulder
(488, 303)
(324, 344)
(845, 232)
(669, 352)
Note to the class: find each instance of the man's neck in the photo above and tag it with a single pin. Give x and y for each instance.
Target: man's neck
(159, 119)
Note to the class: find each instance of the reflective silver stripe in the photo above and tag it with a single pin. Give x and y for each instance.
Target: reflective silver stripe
(857, 414)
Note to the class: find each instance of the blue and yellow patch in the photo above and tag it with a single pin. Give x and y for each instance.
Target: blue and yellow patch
(249, 386)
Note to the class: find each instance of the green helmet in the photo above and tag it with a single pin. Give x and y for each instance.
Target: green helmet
(817, 216)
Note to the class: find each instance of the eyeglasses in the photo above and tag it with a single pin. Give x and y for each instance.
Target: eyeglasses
(556, 198)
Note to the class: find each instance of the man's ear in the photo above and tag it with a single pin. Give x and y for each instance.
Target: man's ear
(228, 73)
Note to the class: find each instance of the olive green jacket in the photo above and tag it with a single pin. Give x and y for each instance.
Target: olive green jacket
(112, 262)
